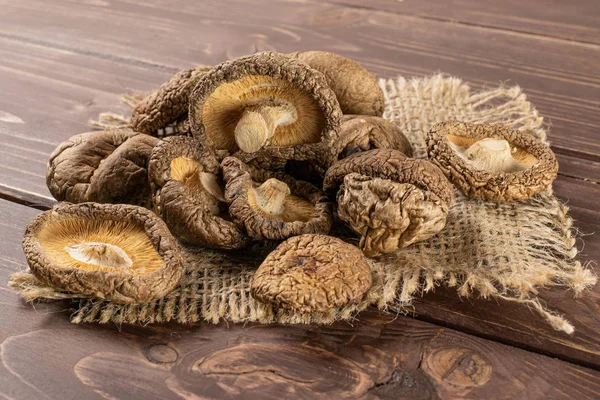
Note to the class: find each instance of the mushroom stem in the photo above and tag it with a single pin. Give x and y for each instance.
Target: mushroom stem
(102, 254)
(271, 195)
(492, 155)
(258, 124)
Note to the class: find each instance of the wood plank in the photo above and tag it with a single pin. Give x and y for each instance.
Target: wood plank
(576, 20)
(560, 77)
(515, 324)
(377, 356)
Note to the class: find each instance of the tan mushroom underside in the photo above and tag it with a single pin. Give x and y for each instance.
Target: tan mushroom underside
(274, 200)
(258, 110)
(99, 245)
(493, 155)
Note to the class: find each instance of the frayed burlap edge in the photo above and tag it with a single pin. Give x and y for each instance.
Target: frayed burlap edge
(488, 250)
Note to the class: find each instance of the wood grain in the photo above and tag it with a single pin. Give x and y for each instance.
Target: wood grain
(43, 356)
(575, 20)
(559, 76)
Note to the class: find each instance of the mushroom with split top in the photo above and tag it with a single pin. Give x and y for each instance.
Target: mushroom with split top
(391, 200)
(188, 194)
(267, 106)
(312, 273)
(117, 252)
(493, 162)
(272, 205)
(102, 166)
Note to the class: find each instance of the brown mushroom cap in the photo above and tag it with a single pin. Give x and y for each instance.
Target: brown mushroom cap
(267, 104)
(356, 88)
(312, 273)
(102, 166)
(272, 205)
(492, 162)
(168, 104)
(186, 179)
(117, 252)
(391, 200)
(364, 132)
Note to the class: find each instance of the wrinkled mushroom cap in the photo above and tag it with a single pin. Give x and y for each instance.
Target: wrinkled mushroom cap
(272, 205)
(390, 199)
(312, 273)
(492, 162)
(116, 252)
(268, 105)
(188, 194)
(356, 88)
(363, 132)
(168, 104)
(102, 166)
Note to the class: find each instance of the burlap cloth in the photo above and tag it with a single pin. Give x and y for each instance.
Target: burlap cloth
(487, 249)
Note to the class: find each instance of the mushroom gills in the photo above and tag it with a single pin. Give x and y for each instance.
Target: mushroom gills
(254, 111)
(99, 245)
(273, 199)
(189, 171)
(493, 155)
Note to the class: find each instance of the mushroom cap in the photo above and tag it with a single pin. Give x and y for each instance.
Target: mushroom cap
(309, 209)
(102, 166)
(312, 273)
(392, 165)
(136, 258)
(194, 211)
(365, 132)
(389, 215)
(221, 97)
(168, 104)
(356, 88)
(389, 199)
(528, 167)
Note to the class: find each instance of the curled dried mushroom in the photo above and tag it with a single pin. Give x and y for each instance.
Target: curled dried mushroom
(168, 104)
(268, 105)
(188, 194)
(312, 273)
(102, 166)
(391, 200)
(116, 252)
(356, 88)
(272, 205)
(492, 162)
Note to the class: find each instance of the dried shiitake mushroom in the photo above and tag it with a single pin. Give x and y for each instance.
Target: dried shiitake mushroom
(391, 200)
(117, 252)
(273, 205)
(102, 166)
(357, 133)
(356, 88)
(168, 104)
(267, 105)
(312, 273)
(188, 194)
(492, 162)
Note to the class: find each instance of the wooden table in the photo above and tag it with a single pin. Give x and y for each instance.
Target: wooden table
(63, 62)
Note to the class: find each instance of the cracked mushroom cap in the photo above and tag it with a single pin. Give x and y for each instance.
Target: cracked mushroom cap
(168, 104)
(102, 166)
(312, 273)
(267, 105)
(391, 200)
(188, 194)
(356, 89)
(117, 252)
(492, 162)
(272, 205)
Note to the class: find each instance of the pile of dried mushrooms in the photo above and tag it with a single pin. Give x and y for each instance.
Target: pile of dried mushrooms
(270, 147)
